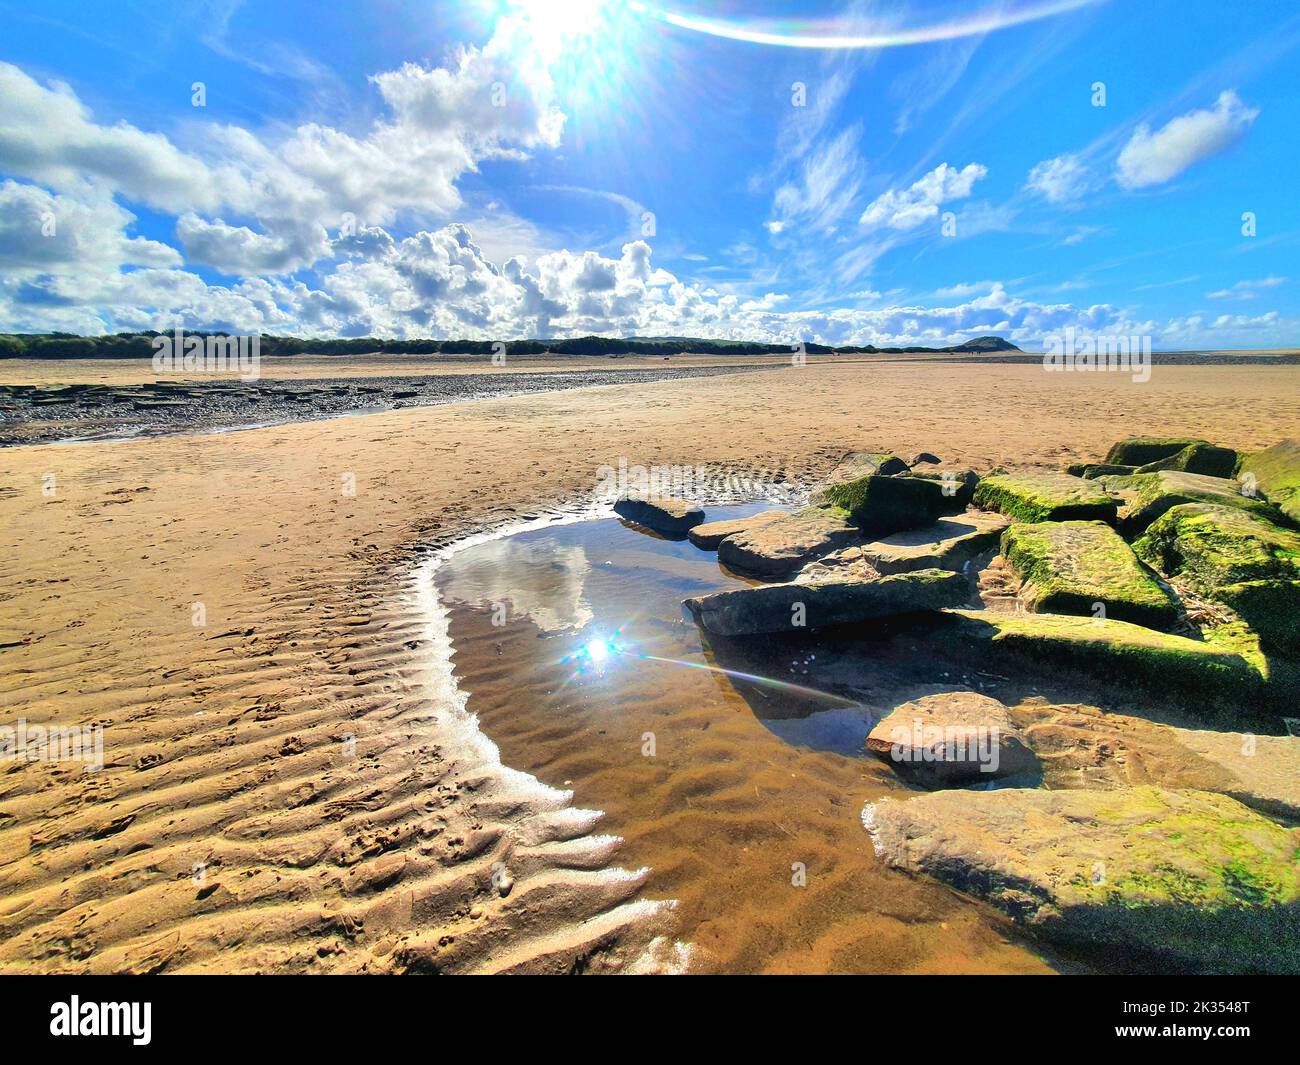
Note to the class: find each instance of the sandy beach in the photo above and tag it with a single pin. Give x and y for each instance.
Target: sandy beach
(288, 785)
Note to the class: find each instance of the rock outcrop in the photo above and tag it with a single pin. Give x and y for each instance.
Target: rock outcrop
(1045, 496)
(1148, 495)
(1113, 652)
(844, 600)
(1197, 458)
(1138, 451)
(1235, 557)
(784, 544)
(709, 535)
(1085, 567)
(879, 505)
(1187, 880)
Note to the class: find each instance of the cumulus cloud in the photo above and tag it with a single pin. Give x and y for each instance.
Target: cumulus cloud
(920, 202)
(41, 232)
(1058, 180)
(1154, 158)
(280, 201)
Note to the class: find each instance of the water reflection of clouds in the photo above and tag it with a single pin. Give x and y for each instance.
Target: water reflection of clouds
(539, 579)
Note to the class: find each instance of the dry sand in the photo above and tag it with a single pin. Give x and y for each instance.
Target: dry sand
(234, 826)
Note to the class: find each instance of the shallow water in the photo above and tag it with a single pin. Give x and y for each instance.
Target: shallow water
(735, 772)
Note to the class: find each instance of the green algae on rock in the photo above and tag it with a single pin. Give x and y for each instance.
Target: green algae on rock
(1150, 495)
(879, 505)
(1045, 496)
(1276, 472)
(843, 600)
(1194, 880)
(1116, 652)
(1197, 458)
(1077, 567)
(1139, 450)
(1214, 545)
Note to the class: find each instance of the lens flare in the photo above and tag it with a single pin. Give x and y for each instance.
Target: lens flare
(856, 33)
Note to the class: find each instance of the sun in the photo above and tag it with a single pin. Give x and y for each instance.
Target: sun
(558, 26)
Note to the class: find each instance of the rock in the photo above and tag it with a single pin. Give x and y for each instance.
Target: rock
(1277, 473)
(1090, 471)
(958, 486)
(1115, 652)
(880, 505)
(923, 457)
(1263, 771)
(663, 514)
(1138, 451)
(1197, 458)
(1234, 557)
(711, 533)
(1189, 879)
(1049, 496)
(857, 464)
(952, 739)
(1149, 495)
(817, 604)
(784, 544)
(950, 543)
(1069, 567)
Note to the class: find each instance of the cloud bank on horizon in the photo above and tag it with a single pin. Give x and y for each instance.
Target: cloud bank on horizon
(526, 168)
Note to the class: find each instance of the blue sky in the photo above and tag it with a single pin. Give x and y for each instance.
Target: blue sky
(502, 168)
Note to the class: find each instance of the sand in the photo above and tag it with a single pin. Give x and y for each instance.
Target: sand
(235, 826)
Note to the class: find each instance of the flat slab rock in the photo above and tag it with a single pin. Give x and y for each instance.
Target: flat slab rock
(1083, 567)
(817, 604)
(1045, 496)
(708, 536)
(951, 739)
(786, 543)
(662, 514)
(1115, 652)
(947, 544)
(1190, 879)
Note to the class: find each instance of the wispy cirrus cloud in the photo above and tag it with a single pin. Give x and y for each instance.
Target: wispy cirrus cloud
(1153, 158)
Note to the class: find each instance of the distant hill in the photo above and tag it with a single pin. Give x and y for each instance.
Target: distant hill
(140, 346)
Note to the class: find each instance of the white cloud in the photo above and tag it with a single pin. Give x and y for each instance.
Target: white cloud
(1246, 290)
(1154, 158)
(1059, 180)
(919, 203)
(829, 180)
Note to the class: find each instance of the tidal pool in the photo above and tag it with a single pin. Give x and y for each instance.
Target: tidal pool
(735, 771)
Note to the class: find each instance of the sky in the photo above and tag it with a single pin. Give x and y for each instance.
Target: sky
(844, 173)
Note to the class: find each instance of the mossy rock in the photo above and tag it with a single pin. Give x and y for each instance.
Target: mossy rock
(1276, 472)
(1139, 450)
(1149, 495)
(1032, 497)
(785, 544)
(1113, 652)
(1092, 470)
(880, 505)
(1188, 880)
(1214, 545)
(958, 486)
(1072, 567)
(1198, 458)
(858, 464)
(844, 600)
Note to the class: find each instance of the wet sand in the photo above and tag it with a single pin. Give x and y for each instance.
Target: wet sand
(227, 743)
